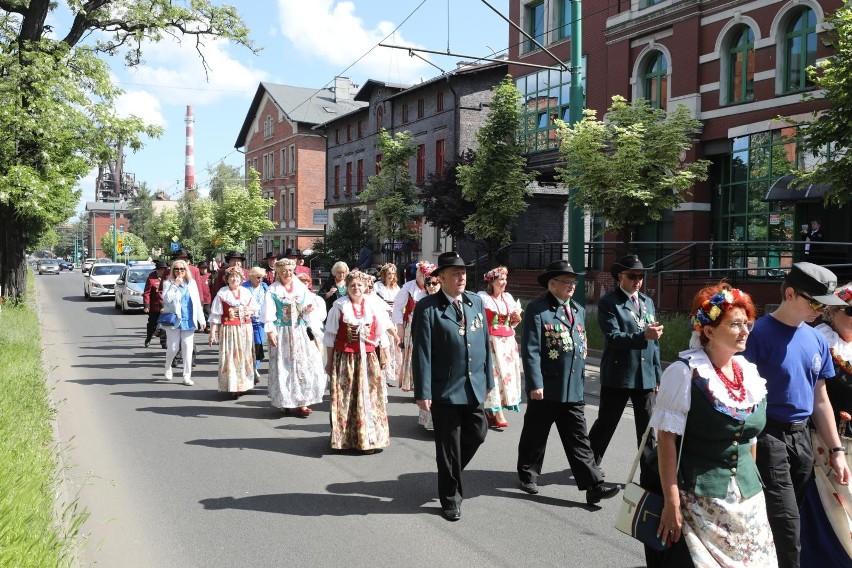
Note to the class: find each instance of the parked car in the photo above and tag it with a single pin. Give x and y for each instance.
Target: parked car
(65, 265)
(130, 285)
(87, 264)
(100, 280)
(48, 266)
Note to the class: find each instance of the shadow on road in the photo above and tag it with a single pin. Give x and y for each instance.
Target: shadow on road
(310, 447)
(226, 410)
(111, 382)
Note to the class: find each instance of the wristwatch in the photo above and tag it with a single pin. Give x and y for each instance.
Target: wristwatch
(838, 449)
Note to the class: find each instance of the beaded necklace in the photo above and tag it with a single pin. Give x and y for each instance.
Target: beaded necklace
(736, 388)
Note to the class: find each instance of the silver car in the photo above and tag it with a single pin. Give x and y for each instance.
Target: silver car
(48, 266)
(100, 280)
(130, 286)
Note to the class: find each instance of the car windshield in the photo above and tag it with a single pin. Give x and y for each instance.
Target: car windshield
(138, 275)
(107, 270)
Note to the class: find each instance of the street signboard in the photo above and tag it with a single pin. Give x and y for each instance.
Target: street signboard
(128, 250)
(320, 217)
(175, 246)
(119, 244)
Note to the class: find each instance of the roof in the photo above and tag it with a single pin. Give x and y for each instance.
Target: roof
(786, 188)
(107, 206)
(462, 70)
(300, 104)
(363, 93)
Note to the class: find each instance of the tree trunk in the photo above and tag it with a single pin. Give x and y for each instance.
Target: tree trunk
(13, 272)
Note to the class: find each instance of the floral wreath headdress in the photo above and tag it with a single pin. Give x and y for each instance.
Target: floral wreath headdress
(232, 270)
(495, 273)
(358, 275)
(844, 294)
(387, 267)
(284, 263)
(425, 267)
(715, 307)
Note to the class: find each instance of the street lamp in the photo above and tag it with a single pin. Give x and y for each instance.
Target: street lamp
(115, 231)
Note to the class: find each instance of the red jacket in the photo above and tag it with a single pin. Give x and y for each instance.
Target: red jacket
(203, 283)
(153, 294)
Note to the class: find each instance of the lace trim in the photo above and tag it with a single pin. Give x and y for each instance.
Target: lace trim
(841, 351)
(755, 385)
(669, 421)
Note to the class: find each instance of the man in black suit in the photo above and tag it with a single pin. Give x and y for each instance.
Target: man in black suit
(630, 363)
(451, 365)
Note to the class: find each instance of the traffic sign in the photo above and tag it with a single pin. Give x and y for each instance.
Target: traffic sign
(175, 246)
(119, 244)
(320, 217)
(128, 250)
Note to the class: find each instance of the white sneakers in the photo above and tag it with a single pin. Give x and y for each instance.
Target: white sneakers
(188, 382)
(169, 374)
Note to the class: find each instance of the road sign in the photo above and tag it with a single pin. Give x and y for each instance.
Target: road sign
(175, 246)
(320, 217)
(128, 250)
(119, 244)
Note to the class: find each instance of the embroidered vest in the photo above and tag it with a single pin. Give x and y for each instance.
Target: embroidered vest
(348, 341)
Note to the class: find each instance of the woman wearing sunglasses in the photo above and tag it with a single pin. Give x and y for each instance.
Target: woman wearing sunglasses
(403, 308)
(181, 298)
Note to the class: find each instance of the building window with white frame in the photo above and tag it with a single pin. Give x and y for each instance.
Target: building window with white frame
(655, 80)
(292, 157)
(741, 65)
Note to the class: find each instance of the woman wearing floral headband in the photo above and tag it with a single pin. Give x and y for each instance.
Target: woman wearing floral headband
(386, 288)
(403, 307)
(716, 402)
(503, 314)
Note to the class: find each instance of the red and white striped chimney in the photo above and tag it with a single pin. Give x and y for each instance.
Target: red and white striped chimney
(189, 174)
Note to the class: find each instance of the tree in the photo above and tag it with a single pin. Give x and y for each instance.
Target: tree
(392, 189)
(627, 168)
(345, 238)
(56, 102)
(496, 182)
(222, 175)
(137, 246)
(444, 205)
(164, 228)
(828, 137)
(243, 214)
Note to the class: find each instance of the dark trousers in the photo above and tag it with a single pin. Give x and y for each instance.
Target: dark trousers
(571, 424)
(151, 326)
(459, 430)
(785, 462)
(613, 401)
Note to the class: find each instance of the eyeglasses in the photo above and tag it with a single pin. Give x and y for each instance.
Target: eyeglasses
(433, 283)
(847, 310)
(569, 283)
(814, 304)
(178, 269)
(633, 277)
(742, 325)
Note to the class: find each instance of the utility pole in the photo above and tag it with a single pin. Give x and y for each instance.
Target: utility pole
(576, 216)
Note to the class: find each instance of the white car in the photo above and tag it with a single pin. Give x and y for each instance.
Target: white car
(87, 264)
(99, 282)
(130, 286)
(48, 266)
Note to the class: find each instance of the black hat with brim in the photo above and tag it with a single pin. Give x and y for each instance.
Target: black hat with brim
(235, 254)
(449, 259)
(818, 282)
(269, 255)
(180, 253)
(158, 264)
(557, 268)
(629, 262)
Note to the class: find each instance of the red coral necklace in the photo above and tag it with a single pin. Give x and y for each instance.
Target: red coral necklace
(735, 388)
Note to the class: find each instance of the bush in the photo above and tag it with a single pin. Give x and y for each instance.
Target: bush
(674, 340)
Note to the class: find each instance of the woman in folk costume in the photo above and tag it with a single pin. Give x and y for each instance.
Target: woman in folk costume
(296, 376)
(403, 308)
(315, 317)
(359, 417)
(230, 326)
(386, 289)
(503, 314)
(256, 285)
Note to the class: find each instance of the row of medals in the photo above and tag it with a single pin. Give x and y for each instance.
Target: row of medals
(477, 323)
(558, 334)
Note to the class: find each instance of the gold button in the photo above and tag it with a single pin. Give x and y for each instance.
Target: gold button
(737, 434)
(470, 359)
(733, 470)
(734, 457)
(643, 358)
(468, 345)
(736, 443)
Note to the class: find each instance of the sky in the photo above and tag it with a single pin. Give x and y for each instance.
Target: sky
(305, 43)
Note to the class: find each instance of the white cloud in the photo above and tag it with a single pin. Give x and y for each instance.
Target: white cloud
(332, 32)
(142, 104)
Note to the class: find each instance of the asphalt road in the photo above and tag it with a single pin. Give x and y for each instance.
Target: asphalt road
(181, 476)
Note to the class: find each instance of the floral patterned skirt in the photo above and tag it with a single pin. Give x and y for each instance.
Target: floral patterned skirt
(359, 418)
(506, 361)
(393, 366)
(406, 378)
(236, 358)
(296, 374)
(730, 532)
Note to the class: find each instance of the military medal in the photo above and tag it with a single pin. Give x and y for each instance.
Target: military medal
(461, 331)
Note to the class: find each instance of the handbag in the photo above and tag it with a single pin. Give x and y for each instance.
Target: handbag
(167, 319)
(642, 509)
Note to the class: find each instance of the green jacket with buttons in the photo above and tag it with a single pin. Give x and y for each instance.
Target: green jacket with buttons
(628, 361)
(554, 351)
(717, 446)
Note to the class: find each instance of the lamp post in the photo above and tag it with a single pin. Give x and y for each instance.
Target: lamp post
(114, 232)
(576, 234)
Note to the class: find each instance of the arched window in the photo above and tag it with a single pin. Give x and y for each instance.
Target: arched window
(741, 66)
(800, 44)
(656, 80)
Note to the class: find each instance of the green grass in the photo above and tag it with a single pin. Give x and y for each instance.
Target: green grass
(32, 533)
(674, 340)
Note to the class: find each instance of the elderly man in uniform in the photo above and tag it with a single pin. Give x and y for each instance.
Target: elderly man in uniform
(630, 363)
(554, 348)
(451, 364)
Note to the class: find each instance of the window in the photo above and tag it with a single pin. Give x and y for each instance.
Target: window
(349, 133)
(421, 164)
(283, 206)
(347, 189)
(655, 80)
(360, 172)
(360, 128)
(337, 181)
(563, 19)
(535, 24)
(649, 3)
(421, 108)
(380, 117)
(292, 158)
(293, 204)
(405, 113)
(378, 164)
(741, 66)
(545, 96)
(337, 136)
(439, 101)
(272, 165)
(267, 127)
(800, 43)
(439, 156)
(283, 162)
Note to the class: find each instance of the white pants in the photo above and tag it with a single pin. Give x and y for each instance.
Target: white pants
(184, 338)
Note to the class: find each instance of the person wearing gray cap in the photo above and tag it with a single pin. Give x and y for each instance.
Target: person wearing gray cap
(796, 361)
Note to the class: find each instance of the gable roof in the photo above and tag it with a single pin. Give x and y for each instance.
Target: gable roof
(300, 104)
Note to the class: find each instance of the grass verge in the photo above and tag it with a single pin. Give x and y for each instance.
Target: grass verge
(32, 534)
(674, 340)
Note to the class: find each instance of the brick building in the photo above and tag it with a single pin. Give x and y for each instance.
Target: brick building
(737, 65)
(282, 145)
(443, 116)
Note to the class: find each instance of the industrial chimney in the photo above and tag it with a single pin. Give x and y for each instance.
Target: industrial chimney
(189, 174)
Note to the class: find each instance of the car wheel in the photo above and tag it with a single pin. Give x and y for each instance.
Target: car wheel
(124, 308)
(117, 306)
(86, 294)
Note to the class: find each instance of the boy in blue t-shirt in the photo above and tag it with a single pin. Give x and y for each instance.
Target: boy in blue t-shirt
(795, 361)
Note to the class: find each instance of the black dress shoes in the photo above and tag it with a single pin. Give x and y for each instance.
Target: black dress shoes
(451, 514)
(600, 491)
(529, 487)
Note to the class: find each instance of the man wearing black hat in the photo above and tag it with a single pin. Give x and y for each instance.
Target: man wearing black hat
(630, 363)
(795, 360)
(269, 266)
(451, 365)
(152, 298)
(553, 348)
(232, 258)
